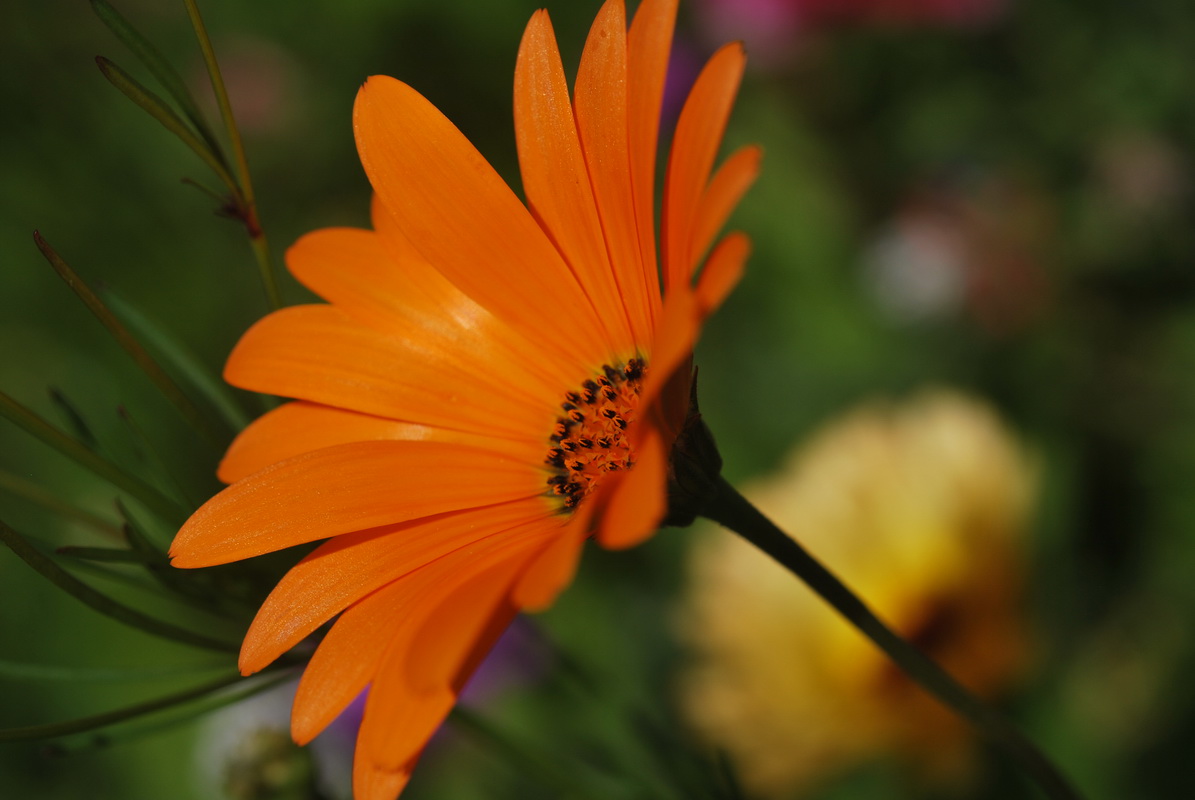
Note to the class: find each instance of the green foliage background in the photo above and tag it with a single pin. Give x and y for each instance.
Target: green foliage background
(1020, 119)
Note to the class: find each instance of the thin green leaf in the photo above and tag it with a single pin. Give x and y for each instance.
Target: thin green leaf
(178, 359)
(150, 497)
(157, 108)
(137, 535)
(101, 602)
(156, 594)
(147, 449)
(108, 718)
(168, 719)
(257, 237)
(161, 69)
(108, 554)
(184, 583)
(572, 780)
(30, 491)
(14, 670)
(74, 418)
(130, 345)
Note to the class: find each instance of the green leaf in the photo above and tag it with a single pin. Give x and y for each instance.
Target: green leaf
(74, 418)
(149, 452)
(14, 670)
(137, 536)
(185, 583)
(248, 209)
(101, 602)
(110, 554)
(574, 780)
(165, 74)
(30, 491)
(156, 108)
(137, 729)
(179, 360)
(129, 343)
(108, 718)
(150, 497)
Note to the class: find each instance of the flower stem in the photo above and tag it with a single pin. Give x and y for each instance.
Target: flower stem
(248, 210)
(729, 508)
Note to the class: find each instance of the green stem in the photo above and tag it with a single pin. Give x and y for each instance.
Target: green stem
(257, 237)
(729, 508)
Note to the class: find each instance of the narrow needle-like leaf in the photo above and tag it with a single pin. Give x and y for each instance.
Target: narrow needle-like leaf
(110, 717)
(74, 418)
(48, 500)
(531, 761)
(101, 602)
(136, 534)
(14, 670)
(174, 716)
(257, 237)
(113, 554)
(161, 69)
(128, 342)
(157, 108)
(147, 495)
(150, 451)
(175, 355)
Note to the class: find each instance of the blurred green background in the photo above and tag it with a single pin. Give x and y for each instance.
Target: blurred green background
(1002, 205)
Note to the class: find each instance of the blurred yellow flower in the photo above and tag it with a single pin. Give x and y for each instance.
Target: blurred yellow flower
(922, 509)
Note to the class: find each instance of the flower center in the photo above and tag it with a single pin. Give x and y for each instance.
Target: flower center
(590, 439)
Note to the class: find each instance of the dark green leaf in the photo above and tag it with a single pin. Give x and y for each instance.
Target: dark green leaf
(119, 715)
(161, 69)
(35, 494)
(156, 108)
(178, 715)
(102, 603)
(128, 342)
(150, 497)
(74, 418)
(179, 360)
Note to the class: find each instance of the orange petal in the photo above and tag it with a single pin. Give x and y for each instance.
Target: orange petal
(694, 147)
(555, 178)
(450, 638)
(639, 504)
(464, 220)
(648, 45)
(346, 488)
(727, 188)
(374, 782)
(601, 114)
(722, 272)
(444, 617)
(319, 353)
(345, 662)
(296, 428)
(379, 279)
(344, 569)
(371, 641)
(553, 569)
(680, 322)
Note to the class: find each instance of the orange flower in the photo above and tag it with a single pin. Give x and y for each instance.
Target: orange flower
(491, 384)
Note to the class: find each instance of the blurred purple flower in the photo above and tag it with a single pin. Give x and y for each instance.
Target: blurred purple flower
(774, 30)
